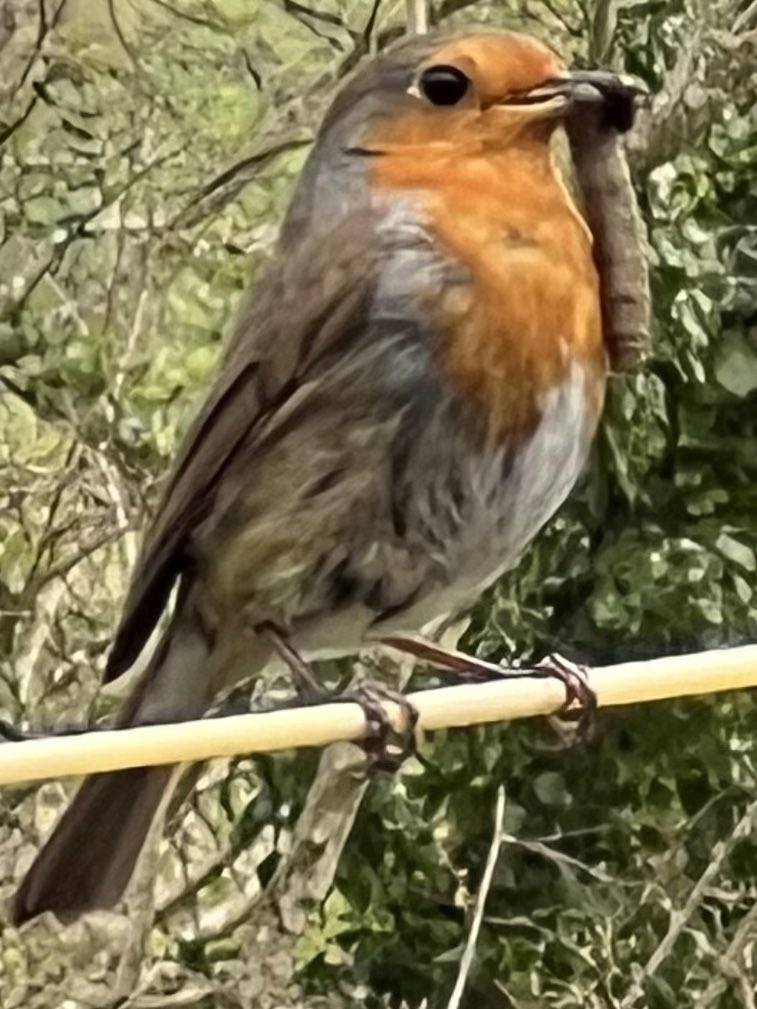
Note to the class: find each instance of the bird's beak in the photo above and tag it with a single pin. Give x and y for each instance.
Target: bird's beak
(589, 88)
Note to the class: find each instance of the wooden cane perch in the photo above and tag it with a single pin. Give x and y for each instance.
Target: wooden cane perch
(447, 707)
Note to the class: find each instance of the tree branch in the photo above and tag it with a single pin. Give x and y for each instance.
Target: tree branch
(478, 915)
(680, 919)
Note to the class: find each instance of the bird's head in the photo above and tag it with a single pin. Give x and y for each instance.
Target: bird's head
(476, 88)
(442, 96)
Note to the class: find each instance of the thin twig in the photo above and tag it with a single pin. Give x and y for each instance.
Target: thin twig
(730, 962)
(118, 31)
(650, 140)
(470, 946)
(562, 860)
(680, 919)
(43, 29)
(132, 339)
(745, 19)
(602, 35)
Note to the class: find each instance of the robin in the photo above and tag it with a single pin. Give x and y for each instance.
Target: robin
(409, 396)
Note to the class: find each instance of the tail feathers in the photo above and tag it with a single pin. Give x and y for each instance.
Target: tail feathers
(89, 858)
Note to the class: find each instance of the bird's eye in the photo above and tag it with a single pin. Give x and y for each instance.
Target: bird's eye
(443, 85)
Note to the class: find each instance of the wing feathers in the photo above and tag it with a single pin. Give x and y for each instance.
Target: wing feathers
(313, 301)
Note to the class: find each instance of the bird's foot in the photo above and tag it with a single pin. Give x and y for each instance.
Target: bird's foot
(386, 746)
(470, 668)
(307, 686)
(578, 692)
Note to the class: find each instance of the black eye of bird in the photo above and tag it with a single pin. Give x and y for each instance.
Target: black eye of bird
(443, 85)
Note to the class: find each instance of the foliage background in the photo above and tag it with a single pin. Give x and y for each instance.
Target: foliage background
(148, 149)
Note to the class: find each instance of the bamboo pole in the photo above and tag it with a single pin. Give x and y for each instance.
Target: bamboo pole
(447, 707)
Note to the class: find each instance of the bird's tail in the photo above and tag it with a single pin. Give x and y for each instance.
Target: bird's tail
(90, 856)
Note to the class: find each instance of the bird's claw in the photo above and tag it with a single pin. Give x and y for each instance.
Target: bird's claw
(472, 669)
(577, 689)
(385, 746)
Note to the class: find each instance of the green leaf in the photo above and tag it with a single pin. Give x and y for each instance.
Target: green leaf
(550, 788)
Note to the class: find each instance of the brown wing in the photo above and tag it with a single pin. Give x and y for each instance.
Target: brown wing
(313, 298)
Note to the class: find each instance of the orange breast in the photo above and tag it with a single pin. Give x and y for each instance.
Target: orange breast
(529, 311)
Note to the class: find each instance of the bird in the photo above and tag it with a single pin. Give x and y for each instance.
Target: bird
(408, 394)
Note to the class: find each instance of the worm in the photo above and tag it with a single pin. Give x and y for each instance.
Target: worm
(614, 218)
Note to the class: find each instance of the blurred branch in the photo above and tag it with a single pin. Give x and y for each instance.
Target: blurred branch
(315, 21)
(303, 879)
(367, 35)
(653, 135)
(85, 549)
(8, 131)
(226, 186)
(191, 16)
(78, 228)
(278, 917)
(131, 341)
(602, 30)
(730, 963)
(575, 29)
(680, 919)
(449, 7)
(559, 858)
(706, 53)
(45, 25)
(416, 16)
(746, 18)
(486, 881)
(119, 33)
